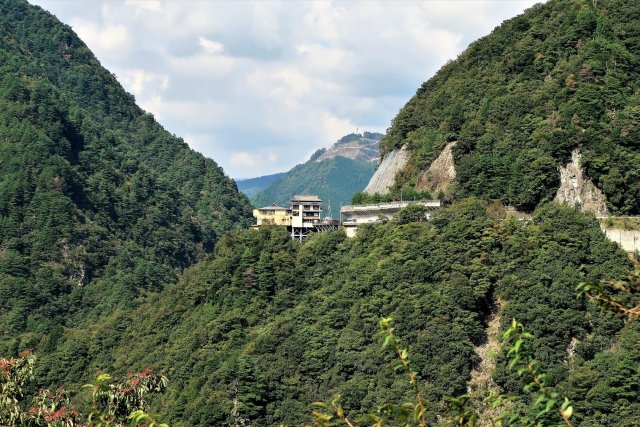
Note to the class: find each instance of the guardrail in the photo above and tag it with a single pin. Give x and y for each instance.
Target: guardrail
(393, 205)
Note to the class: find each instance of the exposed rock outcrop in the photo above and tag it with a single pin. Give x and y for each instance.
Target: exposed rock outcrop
(481, 381)
(441, 172)
(385, 175)
(356, 147)
(577, 189)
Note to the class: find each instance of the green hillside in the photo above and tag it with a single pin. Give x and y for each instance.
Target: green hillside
(335, 180)
(101, 210)
(278, 325)
(98, 203)
(562, 76)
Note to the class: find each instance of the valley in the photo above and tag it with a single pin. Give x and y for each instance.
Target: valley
(492, 278)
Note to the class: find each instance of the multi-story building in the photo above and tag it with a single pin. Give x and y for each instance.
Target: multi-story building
(306, 213)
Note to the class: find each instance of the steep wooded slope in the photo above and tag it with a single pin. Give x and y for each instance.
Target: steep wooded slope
(562, 76)
(278, 325)
(98, 203)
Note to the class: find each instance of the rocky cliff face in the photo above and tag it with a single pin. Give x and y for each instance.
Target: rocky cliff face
(385, 175)
(440, 173)
(364, 147)
(577, 189)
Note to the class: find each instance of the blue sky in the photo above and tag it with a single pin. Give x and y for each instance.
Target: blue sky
(259, 85)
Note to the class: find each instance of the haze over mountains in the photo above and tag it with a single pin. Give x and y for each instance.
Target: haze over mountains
(122, 249)
(251, 186)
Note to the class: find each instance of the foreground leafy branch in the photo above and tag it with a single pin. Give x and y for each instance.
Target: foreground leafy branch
(392, 341)
(601, 293)
(546, 399)
(461, 410)
(114, 402)
(408, 414)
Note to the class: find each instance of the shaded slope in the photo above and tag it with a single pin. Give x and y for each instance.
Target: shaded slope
(562, 76)
(98, 203)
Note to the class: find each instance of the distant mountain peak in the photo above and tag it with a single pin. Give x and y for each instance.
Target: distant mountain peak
(355, 146)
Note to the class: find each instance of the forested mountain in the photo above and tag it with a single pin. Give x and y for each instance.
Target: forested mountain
(251, 186)
(98, 203)
(562, 76)
(278, 325)
(335, 180)
(100, 209)
(335, 173)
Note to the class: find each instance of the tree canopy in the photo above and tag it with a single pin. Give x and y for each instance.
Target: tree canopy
(561, 76)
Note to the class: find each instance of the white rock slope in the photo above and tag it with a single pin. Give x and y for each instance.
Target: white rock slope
(385, 175)
(577, 189)
(440, 173)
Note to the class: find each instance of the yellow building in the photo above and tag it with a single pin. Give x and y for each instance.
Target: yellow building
(272, 215)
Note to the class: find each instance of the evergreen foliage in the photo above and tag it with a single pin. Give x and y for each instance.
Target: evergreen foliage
(563, 75)
(98, 203)
(275, 326)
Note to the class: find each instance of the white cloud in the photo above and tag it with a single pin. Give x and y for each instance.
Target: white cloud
(335, 127)
(258, 85)
(323, 21)
(198, 116)
(139, 81)
(145, 5)
(111, 41)
(202, 65)
(243, 159)
(210, 46)
(266, 24)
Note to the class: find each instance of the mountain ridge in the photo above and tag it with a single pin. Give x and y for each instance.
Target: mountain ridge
(335, 173)
(251, 186)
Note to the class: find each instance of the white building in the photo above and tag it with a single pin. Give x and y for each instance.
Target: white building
(355, 215)
(306, 213)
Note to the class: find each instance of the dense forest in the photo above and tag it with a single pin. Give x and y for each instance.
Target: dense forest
(122, 251)
(278, 325)
(564, 75)
(98, 203)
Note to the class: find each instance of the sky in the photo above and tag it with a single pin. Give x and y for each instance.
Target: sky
(260, 85)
